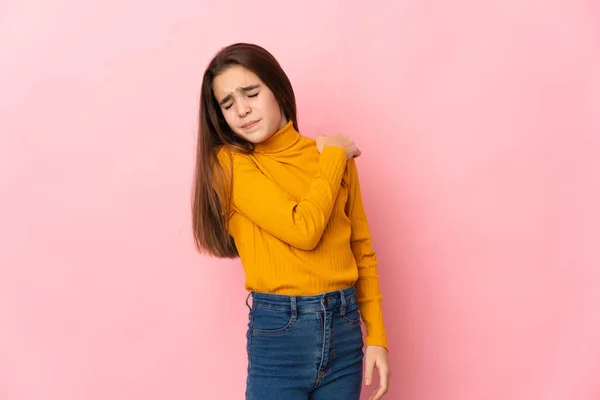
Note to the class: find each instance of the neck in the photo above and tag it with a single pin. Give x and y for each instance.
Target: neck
(281, 140)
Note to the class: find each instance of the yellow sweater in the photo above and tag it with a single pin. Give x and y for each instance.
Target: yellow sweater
(299, 225)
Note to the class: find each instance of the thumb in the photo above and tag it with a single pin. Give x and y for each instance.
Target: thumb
(369, 372)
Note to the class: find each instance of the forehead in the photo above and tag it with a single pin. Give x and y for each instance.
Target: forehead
(232, 79)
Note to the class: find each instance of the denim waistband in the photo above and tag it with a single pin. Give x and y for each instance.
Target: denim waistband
(300, 304)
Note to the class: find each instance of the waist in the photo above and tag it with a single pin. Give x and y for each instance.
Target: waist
(309, 304)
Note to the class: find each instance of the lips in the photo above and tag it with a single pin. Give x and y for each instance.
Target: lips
(250, 124)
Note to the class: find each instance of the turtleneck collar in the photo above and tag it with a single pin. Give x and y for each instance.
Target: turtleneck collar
(281, 140)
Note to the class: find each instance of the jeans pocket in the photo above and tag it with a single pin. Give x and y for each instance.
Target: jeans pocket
(270, 322)
(352, 315)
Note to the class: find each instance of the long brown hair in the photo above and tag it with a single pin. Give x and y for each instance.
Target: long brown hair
(212, 191)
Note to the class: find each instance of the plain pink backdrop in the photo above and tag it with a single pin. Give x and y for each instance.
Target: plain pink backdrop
(480, 130)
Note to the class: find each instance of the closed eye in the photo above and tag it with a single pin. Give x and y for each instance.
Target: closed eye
(229, 97)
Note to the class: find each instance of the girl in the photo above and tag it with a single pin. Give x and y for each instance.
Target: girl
(290, 207)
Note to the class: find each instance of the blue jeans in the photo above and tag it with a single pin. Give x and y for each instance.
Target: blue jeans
(304, 347)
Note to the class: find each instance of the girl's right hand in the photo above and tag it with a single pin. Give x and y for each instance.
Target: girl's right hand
(339, 140)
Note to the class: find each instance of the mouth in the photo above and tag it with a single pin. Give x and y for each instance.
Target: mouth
(251, 124)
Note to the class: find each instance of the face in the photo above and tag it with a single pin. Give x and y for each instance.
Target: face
(249, 107)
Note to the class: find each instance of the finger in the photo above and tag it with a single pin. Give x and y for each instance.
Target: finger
(379, 394)
(383, 384)
(369, 372)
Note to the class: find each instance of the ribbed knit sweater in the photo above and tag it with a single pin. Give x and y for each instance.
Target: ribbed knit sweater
(299, 225)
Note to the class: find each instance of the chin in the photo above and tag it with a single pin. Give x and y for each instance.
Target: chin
(256, 137)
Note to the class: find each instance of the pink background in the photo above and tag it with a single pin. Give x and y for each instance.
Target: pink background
(480, 129)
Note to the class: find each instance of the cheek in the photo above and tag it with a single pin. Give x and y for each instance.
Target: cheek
(273, 107)
(229, 118)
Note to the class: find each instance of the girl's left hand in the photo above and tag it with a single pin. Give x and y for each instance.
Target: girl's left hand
(377, 357)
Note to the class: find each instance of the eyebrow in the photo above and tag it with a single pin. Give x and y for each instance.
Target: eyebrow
(242, 89)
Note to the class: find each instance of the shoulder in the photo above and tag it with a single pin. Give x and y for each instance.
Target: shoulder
(227, 155)
(306, 142)
(307, 146)
(351, 164)
(235, 162)
(307, 139)
(351, 172)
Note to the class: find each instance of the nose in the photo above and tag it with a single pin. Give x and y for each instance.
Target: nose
(242, 108)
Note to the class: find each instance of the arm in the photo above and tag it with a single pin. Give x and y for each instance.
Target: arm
(298, 223)
(367, 285)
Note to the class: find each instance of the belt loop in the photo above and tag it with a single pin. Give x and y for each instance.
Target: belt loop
(343, 306)
(294, 308)
(248, 297)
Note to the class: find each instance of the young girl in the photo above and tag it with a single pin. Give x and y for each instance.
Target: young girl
(290, 207)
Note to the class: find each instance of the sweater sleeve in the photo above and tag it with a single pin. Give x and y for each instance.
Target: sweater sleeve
(298, 223)
(367, 285)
